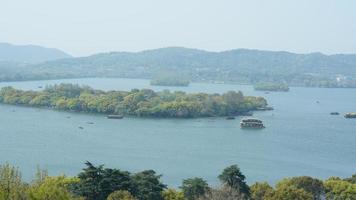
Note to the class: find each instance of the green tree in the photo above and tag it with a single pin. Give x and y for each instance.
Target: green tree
(148, 185)
(224, 193)
(121, 195)
(232, 177)
(96, 183)
(352, 179)
(52, 188)
(193, 188)
(11, 185)
(337, 189)
(260, 191)
(308, 184)
(288, 193)
(172, 194)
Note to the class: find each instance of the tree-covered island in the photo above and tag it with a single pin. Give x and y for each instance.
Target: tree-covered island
(170, 81)
(270, 86)
(141, 103)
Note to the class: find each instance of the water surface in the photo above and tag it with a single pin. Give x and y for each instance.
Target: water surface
(301, 137)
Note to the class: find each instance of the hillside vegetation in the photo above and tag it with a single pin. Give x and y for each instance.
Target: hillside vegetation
(235, 66)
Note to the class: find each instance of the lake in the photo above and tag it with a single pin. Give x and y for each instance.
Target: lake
(300, 138)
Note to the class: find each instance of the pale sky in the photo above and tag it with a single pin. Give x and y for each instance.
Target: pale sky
(84, 27)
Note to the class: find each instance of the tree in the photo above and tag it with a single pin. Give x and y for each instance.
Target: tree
(308, 184)
(259, 191)
(193, 188)
(172, 194)
(40, 176)
(288, 193)
(338, 189)
(11, 185)
(96, 183)
(232, 177)
(147, 185)
(352, 179)
(224, 193)
(233, 100)
(52, 188)
(121, 195)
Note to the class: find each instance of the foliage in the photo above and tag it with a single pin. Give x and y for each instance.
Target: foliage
(121, 195)
(96, 183)
(288, 193)
(194, 188)
(308, 184)
(148, 185)
(260, 191)
(99, 183)
(337, 189)
(53, 188)
(11, 185)
(232, 177)
(172, 194)
(145, 102)
(224, 193)
(352, 179)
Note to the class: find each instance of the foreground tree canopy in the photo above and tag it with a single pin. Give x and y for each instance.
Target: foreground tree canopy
(101, 183)
(145, 102)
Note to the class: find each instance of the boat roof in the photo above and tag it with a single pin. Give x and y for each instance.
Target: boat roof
(250, 118)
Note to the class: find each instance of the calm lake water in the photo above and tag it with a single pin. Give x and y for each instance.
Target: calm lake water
(301, 137)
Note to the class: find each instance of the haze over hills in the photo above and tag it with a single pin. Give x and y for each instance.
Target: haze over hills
(29, 53)
(238, 66)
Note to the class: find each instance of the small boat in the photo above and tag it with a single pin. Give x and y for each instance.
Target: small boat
(334, 113)
(251, 123)
(230, 117)
(115, 116)
(350, 115)
(40, 87)
(80, 127)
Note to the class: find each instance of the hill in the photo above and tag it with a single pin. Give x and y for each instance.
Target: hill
(29, 53)
(238, 66)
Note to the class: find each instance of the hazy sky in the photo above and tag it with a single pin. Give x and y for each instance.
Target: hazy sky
(83, 27)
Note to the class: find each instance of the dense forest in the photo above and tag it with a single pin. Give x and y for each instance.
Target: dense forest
(272, 87)
(142, 103)
(100, 183)
(241, 66)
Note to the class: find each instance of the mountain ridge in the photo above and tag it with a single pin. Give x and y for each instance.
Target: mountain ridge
(247, 66)
(29, 53)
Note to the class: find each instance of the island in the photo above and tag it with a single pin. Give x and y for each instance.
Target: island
(137, 102)
(170, 81)
(271, 86)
